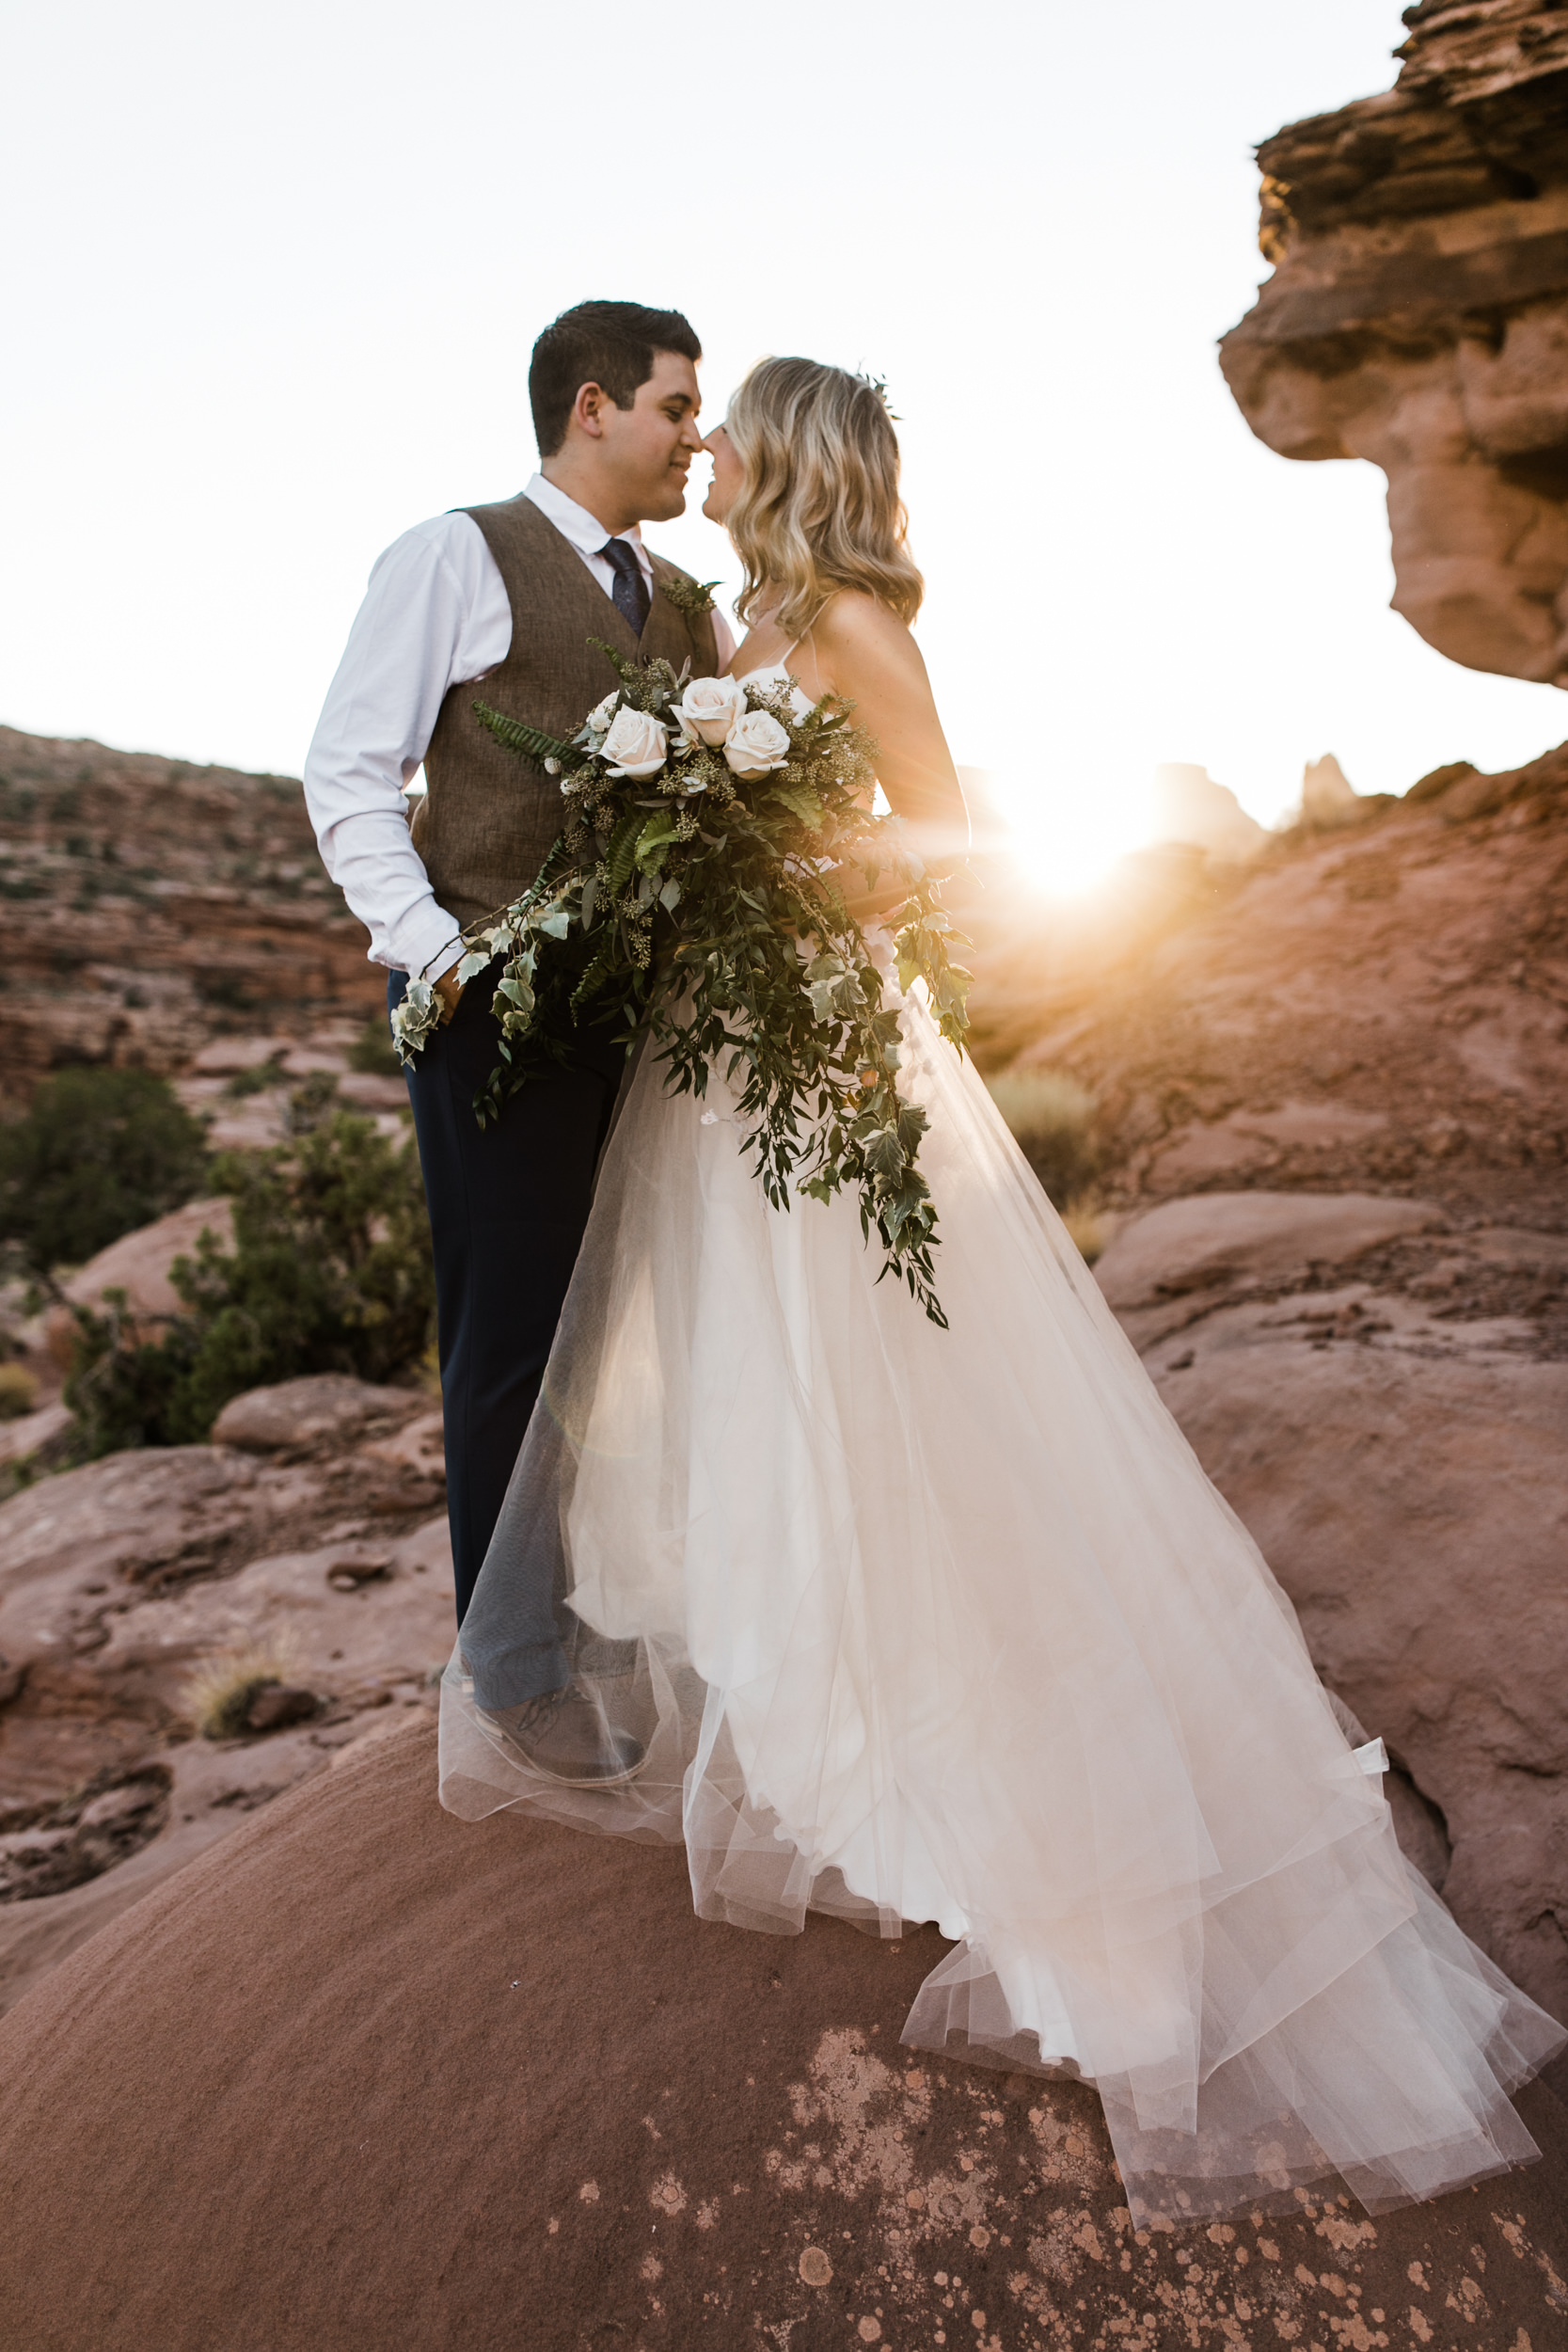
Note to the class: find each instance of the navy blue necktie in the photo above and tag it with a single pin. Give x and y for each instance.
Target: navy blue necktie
(629, 595)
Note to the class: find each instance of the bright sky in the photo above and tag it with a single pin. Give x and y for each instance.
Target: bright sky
(272, 275)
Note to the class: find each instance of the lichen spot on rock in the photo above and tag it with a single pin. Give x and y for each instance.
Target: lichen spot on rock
(814, 2268)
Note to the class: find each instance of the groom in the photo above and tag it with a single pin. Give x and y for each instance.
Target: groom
(511, 593)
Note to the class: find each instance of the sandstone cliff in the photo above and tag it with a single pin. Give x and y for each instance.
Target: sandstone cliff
(1417, 316)
(151, 905)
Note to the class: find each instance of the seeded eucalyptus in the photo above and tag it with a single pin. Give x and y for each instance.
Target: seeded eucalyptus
(692, 596)
(695, 893)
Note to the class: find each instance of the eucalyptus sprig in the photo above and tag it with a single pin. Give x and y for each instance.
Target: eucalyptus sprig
(695, 893)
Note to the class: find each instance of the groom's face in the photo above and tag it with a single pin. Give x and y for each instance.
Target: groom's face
(648, 449)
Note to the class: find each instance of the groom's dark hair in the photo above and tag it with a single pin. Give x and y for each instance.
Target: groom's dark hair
(610, 343)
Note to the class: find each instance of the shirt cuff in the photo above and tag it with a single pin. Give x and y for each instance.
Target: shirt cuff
(428, 943)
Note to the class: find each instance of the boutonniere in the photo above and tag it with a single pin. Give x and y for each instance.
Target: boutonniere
(690, 596)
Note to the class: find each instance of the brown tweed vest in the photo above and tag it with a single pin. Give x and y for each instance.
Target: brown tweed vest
(488, 817)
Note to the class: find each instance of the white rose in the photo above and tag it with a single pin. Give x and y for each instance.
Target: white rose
(710, 707)
(598, 717)
(756, 745)
(637, 742)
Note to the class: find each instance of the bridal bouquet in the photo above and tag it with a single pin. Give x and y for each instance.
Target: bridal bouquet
(693, 892)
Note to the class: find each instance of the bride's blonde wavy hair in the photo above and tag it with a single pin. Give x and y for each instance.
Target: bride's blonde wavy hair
(820, 509)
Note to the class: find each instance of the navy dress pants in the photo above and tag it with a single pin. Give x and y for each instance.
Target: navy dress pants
(508, 1204)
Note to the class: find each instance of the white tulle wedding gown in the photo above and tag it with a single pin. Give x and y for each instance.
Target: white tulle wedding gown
(950, 1626)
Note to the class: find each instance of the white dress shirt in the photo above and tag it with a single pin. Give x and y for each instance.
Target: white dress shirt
(436, 615)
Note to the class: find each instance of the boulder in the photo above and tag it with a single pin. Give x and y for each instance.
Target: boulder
(496, 2080)
(322, 1409)
(138, 1263)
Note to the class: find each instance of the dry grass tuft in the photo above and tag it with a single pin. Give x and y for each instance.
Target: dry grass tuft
(220, 1692)
(1088, 1229)
(18, 1391)
(1053, 1120)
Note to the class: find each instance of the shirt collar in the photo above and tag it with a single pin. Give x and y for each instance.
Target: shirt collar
(574, 522)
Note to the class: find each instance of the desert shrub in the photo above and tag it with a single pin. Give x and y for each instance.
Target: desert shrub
(1053, 1120)
(373, 1049)
(256, 1080)
(18, 1391)
(330, 1271)
(123, 1384)
(99, 1152)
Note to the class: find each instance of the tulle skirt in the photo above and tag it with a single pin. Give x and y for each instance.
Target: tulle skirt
(950, 1626)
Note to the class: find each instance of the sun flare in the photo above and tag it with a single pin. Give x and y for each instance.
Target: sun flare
(1063, 838)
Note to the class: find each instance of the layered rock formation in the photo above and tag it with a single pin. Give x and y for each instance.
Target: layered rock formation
(150, 906)
(369, 2074)
(1417, 316)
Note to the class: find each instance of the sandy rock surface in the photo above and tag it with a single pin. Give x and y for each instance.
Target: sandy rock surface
(1230, 1239)
(1375, 1395)
(321, 1565)
(490, 2085)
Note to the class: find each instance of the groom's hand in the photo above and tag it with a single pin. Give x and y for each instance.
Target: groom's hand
(448, 993)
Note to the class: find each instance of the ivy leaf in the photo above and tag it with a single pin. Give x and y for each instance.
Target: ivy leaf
(884, 1154)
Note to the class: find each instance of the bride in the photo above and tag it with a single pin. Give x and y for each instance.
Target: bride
(908, 1625)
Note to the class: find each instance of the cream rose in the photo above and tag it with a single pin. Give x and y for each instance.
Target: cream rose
(756, 745)
(710, 707)
(638, 743)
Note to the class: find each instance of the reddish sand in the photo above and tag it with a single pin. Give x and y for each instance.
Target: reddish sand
(365, 2076)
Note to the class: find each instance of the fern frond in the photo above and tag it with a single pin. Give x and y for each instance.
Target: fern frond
(527, 742)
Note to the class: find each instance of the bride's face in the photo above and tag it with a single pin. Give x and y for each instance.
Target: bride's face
(728, 476)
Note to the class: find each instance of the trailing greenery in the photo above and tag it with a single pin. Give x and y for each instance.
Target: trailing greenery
(695, 892)
(99, 1154)
(330, 1271)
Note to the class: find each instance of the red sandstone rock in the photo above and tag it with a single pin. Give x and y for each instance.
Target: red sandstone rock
(1407, 1480)
(1417, 316)
(365, 2068)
